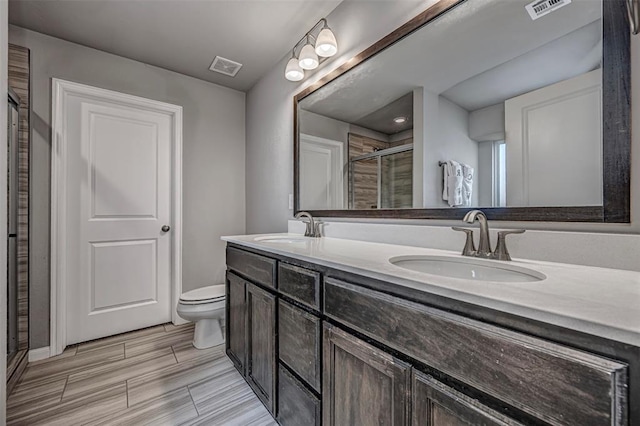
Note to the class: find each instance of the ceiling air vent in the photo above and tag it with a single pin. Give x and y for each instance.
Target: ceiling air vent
(540, 8)
(225, 66)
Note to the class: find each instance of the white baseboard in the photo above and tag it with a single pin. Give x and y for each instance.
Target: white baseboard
(40, 353)
(179, 321)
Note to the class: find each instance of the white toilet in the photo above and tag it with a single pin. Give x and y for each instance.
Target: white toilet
(205, 307)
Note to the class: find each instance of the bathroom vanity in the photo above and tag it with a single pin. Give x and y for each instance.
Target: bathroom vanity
(344, 332)
(329, 331)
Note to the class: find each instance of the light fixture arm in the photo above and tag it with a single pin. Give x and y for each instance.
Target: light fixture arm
(633, 7)
(310, 33)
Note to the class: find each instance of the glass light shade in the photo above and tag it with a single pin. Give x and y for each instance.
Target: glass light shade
(326, 44)
(293, 72)
(308, 58)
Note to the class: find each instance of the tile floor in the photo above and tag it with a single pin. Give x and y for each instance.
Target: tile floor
(147, 377)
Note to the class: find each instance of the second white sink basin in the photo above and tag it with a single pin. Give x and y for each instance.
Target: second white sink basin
(282, 239)
(467, 268)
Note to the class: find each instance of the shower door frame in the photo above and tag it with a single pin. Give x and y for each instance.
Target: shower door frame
(381, 153)
(12, 263)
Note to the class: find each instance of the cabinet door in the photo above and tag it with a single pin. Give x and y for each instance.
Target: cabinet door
(261, 362)
(435, 404)
(236, 330)
(362, 385)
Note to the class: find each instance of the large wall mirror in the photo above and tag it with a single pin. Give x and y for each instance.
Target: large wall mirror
(519, 108)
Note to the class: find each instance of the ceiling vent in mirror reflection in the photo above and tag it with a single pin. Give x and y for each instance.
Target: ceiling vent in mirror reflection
(539, 8)
(225, 66)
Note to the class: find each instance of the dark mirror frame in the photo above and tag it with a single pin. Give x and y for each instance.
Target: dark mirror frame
(616, 108)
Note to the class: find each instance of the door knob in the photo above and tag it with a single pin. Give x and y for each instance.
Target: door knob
(166, 228)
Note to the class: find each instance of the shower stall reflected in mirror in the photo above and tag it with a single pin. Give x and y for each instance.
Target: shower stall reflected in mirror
(18, 153)
(382, 179)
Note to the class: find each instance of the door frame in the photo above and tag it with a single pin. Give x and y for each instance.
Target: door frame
(61, 90)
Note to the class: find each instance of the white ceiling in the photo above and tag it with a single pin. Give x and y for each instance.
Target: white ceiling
(569, 56)
(467, 51)
(180, 35)
(381, 120)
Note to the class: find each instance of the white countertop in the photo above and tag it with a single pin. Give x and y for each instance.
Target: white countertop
(598, 301)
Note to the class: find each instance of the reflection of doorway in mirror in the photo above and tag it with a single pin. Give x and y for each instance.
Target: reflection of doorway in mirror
(492, 174)
(499, 174)
(321, 168)
(554, 144)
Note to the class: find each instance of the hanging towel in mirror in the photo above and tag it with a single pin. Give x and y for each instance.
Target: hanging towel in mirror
(452, 183)
(467, 184)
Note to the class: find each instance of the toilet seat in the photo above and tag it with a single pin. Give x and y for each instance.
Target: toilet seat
(209, 294)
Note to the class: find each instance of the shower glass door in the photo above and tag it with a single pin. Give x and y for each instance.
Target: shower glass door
(382, 179)
(12, 231)
(396, 180)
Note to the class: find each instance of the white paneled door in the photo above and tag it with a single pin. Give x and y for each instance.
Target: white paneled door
(321, 168)
(118, 204)
(554, 144)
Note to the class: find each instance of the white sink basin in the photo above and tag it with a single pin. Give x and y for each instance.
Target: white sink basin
(468, 268)
(282, 239)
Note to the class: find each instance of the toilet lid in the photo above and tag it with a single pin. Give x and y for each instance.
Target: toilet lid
(204, 293)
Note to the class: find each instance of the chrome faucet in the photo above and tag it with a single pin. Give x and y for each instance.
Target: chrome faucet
(484, 245)
(313, 228)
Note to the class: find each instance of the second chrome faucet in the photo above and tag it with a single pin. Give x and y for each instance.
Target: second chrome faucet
(313, 228)
(484, 245)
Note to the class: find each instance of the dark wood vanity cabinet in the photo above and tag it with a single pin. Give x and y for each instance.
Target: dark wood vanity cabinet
(362, 385)
(321, 350)
(297, 406)
(251, 336)
(236, 330)
(550, 382)
(435, 404)
(261, 367)
(299, 335)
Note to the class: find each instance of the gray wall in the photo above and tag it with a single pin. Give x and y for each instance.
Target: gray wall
(270, 122)
(324, 127)
(447, 139)
(270, 115)
(213, 150)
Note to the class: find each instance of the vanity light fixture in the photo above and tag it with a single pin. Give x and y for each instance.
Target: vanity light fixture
(293, 71)
(319, 43)
(308, 59)
(326, 44)
(400, 120)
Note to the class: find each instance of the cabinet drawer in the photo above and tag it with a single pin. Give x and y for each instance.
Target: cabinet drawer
(559, 385)
(300, 284)
(299, 336)
(258, 268)
(296, 405)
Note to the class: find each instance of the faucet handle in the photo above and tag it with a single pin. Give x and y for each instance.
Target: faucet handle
(469, 246)
(501, 252)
